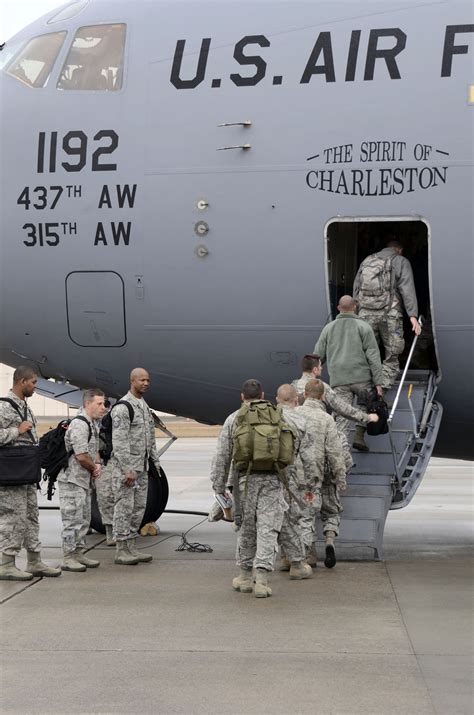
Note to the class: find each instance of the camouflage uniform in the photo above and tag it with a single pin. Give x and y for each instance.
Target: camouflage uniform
(340, 409)
(387, 323)
(297, 532)
(74, 484)
(134, 444)
(105, 494)
(263, 505)
(330, 462)
(19, 516)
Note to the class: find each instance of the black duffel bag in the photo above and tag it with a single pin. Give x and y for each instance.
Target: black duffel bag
(377, 405)
(19, 466)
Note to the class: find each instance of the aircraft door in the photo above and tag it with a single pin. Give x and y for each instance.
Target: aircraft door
(95, 302)
(350, 240)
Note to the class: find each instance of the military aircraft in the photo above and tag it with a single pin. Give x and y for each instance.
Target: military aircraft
(191, 186)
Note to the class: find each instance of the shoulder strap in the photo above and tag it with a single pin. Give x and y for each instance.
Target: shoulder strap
(131, 411)
(84, 419)
(24, 418)
(15, 406)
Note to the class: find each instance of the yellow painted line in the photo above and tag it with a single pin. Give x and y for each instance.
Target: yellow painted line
(471, 94)
(410, 390)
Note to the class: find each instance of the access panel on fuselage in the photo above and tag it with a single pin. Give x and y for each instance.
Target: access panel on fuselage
(96, 308)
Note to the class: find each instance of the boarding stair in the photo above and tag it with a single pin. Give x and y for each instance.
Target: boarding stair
(388, 476)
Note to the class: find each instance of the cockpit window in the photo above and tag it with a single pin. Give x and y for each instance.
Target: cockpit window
(95, 60)
(8, 51)
(34, 63)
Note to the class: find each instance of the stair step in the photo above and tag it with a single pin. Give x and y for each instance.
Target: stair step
(369, 478)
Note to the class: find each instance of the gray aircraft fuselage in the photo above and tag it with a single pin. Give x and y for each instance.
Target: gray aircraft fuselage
(128, 239)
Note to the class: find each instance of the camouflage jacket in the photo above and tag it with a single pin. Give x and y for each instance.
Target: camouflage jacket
(134, 443)
(333, 401)
(302, 474)
(76, 440)
(328, 447)
(10, 421)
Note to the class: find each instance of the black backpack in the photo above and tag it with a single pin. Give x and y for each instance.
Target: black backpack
(105, 433)
(53, 453)
(377, 405)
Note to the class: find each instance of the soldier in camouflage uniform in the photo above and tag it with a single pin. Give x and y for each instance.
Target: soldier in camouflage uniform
(383, 308)
(19, 516)
(337, 407)
(75, 487)
(295, 536)
(263, 504)
(330, 463)
(134, 444)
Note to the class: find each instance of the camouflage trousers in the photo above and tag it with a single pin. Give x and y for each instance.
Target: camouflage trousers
(263, 506)
(130, 503)
(347, 393)
(388, 330)
(331, 507)
(105, 494)
(298, 528)
(75, 506)
(19, 519)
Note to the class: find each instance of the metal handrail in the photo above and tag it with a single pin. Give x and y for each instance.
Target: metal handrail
(396, 464)
(404, 374)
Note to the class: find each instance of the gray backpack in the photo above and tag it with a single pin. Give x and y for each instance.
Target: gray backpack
(375, 289)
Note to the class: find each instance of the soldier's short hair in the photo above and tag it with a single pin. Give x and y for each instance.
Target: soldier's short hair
(286, 393)
(394, 243)
(23, 372)
(309, 362)
(314, 389)
(90, 394)
(252, 390)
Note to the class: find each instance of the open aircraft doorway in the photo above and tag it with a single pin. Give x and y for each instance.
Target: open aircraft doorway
(350, 240)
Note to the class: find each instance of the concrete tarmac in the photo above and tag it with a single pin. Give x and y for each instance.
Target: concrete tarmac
(172, 637)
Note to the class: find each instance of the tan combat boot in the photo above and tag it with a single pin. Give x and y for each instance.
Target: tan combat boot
(70, 563)
(330, 560)
(35, 566)
(84, 560)
(109, 535)
(300, 570)
(262, 589)
(9, 572)
(243, 582)
(140, 555)
(359, 441)
(285, 564)
(123, 557)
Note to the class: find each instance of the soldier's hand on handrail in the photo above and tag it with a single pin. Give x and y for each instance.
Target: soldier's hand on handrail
(416, 327)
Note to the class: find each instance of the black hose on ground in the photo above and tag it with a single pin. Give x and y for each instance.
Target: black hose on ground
(166, 511)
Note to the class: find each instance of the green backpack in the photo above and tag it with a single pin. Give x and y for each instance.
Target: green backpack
(263, 441)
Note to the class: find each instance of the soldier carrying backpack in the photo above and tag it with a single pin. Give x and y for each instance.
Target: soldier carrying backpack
(254, 448)
(383, 286)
